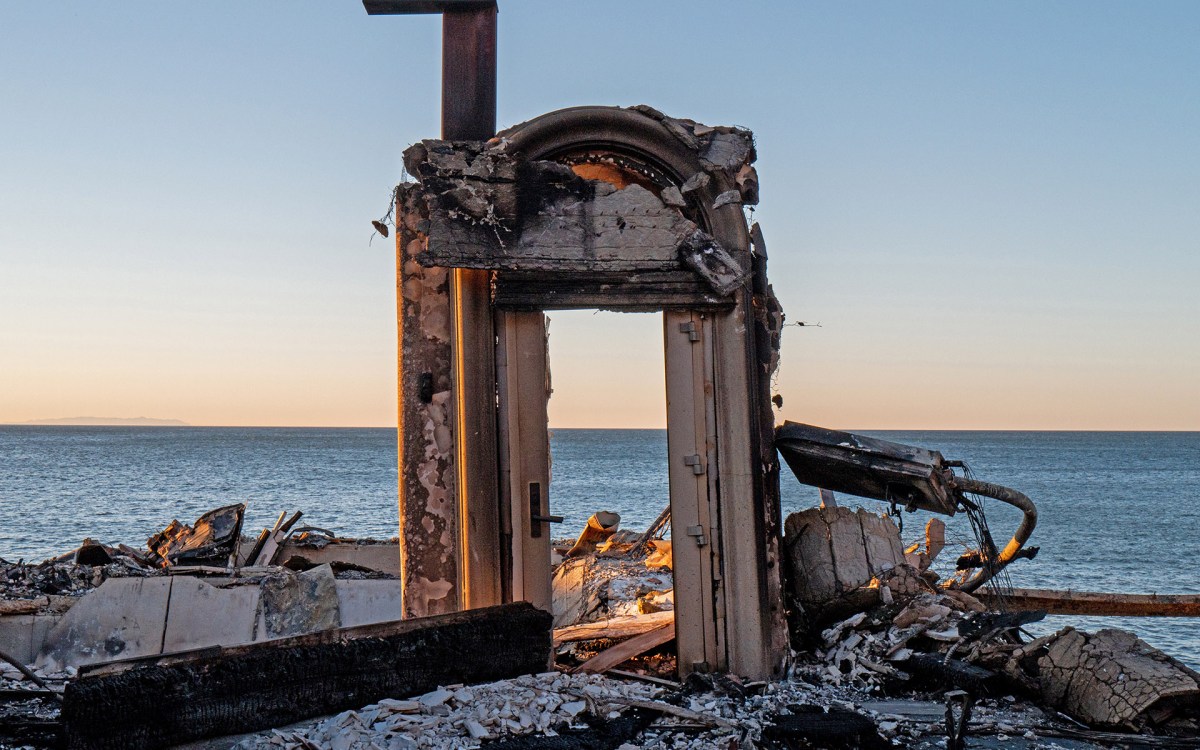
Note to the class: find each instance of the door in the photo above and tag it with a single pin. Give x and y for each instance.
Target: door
(691, 452)
(523, 384)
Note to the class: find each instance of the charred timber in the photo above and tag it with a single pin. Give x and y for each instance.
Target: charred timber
(1057, 602)
(956, 673)
(254, 687)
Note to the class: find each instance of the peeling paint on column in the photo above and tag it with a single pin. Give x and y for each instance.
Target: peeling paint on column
(428, 497)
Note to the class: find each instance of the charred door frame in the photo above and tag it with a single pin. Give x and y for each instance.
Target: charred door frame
(455, 386)
(729, 610)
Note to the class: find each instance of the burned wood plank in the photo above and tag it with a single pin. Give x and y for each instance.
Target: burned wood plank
(30, 731)
(626, 650)
(1097, 604)
(23, 606)
(835, 727)
(212, 539)
(253, 687)
(616, 627)
(632, 291)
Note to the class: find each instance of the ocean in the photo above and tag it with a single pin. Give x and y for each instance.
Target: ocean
(1118, 511)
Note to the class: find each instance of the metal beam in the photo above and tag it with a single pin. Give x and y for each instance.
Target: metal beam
(469, 75)
(414, 7)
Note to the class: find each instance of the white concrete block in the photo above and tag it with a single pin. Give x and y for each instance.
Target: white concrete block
(364, 602)
(202, 615)
(124, 618)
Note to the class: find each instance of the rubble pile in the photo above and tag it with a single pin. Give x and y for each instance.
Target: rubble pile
(457, 716)
(872, 647)
(54, 577)
(896, 659)
(212, 544)
(620, 578)
(1108, 680)
(709, 712)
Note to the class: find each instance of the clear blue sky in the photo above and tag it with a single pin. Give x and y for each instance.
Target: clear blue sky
(993, 209)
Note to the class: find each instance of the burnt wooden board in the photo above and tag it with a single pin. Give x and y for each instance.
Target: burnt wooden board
(254, 687)
(632, 291)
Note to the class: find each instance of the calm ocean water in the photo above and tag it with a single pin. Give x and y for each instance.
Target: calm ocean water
(1118, 511)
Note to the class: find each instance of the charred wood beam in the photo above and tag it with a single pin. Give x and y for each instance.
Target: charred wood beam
(1057, 602)
(650, 291)
(960, 674)
(253, 687)
(809, 726)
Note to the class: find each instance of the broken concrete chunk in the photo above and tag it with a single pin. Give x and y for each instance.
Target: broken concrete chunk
(834, 550)
(747, 182)
(921, 610)
(935, 541)
(672, 197)
(300, 603)
(459, 159)
(695, 182)
(435, 698)
(728, 151)
(711, 262)
(726, 198)
(1114, 679)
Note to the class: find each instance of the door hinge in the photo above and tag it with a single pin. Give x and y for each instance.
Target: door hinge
(694, 462)
(697, 532)
(690, 329)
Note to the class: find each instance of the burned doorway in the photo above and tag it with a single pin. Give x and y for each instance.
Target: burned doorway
(684, 376)
(588, 208)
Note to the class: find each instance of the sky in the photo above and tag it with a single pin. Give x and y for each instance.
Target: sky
(992, 210)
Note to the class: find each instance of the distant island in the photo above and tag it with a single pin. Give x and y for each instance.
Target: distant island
(109, 422)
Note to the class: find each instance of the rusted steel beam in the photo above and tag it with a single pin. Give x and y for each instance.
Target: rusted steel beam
(414, 7)
(469, 74)
(1057, 602)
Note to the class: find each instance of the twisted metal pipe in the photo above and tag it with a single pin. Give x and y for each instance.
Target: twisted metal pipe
(1024, 530)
